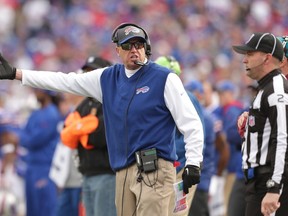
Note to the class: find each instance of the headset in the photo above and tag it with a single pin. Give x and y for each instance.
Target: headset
(284, 41)
(172, 61)
(115, 38)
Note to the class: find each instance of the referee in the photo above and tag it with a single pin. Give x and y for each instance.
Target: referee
(265, 149)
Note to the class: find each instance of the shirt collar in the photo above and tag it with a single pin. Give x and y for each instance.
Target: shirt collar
(267, 78)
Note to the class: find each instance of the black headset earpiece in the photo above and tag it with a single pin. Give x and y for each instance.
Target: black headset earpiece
(171, 60)
(115, 38)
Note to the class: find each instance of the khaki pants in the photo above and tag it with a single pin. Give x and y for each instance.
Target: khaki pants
(189, 197)
(151, 196)
(229, 181)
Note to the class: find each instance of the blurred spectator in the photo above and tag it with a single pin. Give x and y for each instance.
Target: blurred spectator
(284, 66)
(39, 137)
(222, 152)
(12, 197)
(236, 203)
(229, 110)
(64, 172)
(199, 205)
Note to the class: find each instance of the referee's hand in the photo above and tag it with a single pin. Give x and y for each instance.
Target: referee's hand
(270, 203)
(241, 123)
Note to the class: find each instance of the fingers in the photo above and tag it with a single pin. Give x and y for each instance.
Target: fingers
(241, 123)
(269, 209)
(93, 111)
(242, 119)
(185, 187)
(268, 212)
(185, 190)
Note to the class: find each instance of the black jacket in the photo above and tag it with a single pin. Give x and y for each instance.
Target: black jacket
(94, 161)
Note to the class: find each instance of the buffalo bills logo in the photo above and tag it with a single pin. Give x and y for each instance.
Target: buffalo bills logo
(132, 29)
(142, 90)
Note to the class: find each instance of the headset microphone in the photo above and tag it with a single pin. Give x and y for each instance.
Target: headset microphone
(248, 69)
(139, 63)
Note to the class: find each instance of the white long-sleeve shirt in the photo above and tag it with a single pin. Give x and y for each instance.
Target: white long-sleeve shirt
(88, 85)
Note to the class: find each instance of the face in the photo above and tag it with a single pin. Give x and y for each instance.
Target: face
(131, 51)
(208, 92)
(225, 97)
(199, 96)
(254, 63)
(40, 96)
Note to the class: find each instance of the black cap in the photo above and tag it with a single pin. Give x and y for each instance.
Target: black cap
(129, 32)
(95, 62)
(263, 42)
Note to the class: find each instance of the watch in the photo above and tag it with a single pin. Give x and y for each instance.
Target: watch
(272, 186)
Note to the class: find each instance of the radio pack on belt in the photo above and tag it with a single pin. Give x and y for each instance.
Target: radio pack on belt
(146, 160)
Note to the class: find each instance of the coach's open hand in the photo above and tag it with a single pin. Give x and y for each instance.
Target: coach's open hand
(6, 70)
(190, 176)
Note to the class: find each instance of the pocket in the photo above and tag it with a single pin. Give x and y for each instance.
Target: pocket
(165, 175)
(250, 190)
(260, 184)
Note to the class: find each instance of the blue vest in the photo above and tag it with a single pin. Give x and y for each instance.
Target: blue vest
(135, 114)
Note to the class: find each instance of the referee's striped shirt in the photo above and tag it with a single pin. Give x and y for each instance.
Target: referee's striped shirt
(266, 136)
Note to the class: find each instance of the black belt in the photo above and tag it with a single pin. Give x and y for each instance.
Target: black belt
(254, 172)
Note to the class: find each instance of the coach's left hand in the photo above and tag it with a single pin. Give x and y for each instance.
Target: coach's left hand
(190, 176)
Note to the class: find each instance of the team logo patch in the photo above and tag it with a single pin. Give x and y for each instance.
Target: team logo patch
(132, 29)
(251, 121)
(143, 90)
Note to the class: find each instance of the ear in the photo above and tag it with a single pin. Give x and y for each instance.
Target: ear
(117, 50)
(267, 58)
(284, 62)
